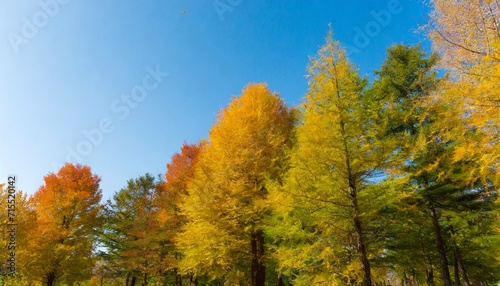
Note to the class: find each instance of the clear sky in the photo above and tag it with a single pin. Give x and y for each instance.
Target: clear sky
(119, 85)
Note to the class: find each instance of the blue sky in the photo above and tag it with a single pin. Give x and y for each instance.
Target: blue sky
(119, 85)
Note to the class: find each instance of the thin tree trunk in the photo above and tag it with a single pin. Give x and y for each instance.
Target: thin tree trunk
(128, 278)
(351, 180)
(429, 273)
(145, 279)
(458, 255)
(413, 277)
(132, 283)
(365, 264)
(429, 277)
(458, 262)
(280, 281)
(178, 278)
(455, 269)
(51, 278)
(445, 272)
(258, 268)
(193, 281)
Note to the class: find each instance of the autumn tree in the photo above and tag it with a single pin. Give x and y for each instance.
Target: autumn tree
(227, 198)
(338, 152)
(465, 163)
(24, 220)
(180, 172)
(63, 241)
(467, 36)
(464, 32)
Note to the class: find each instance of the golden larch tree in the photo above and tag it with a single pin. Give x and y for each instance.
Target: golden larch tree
(227, 199)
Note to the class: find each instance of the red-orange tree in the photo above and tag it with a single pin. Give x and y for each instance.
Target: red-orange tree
(143, 219)
(180, 170)
(67, 210)
(179, 173)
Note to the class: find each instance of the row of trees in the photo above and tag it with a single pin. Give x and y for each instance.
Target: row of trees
(388, 182)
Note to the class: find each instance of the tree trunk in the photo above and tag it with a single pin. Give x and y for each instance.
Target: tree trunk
(351, 180)
(455, 269)
(193, 281)
(429, 277)
(132, 283)
(258, 268)
(280, 281)
(128, 278)
(365, 264)
(178, 279)
(145, 279)
(413, 277)
(429, 272)
(51, 278)
(458, 256)
(441, 248)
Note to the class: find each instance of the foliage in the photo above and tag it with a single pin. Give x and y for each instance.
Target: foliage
(63, 239)
(227, 198)
(394, 180)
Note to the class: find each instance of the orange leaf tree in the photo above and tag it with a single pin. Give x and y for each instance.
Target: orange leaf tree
(68, 218)
(179, 173)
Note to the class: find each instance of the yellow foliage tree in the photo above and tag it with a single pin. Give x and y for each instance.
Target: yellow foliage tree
(463, 32)
(227, 197)
(466, 34)
(24, 219)
(338, 151)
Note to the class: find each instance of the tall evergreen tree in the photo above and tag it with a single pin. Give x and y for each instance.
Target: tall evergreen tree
(133, 247)
(433, 179)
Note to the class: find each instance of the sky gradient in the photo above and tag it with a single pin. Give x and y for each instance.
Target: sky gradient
(120, 85)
